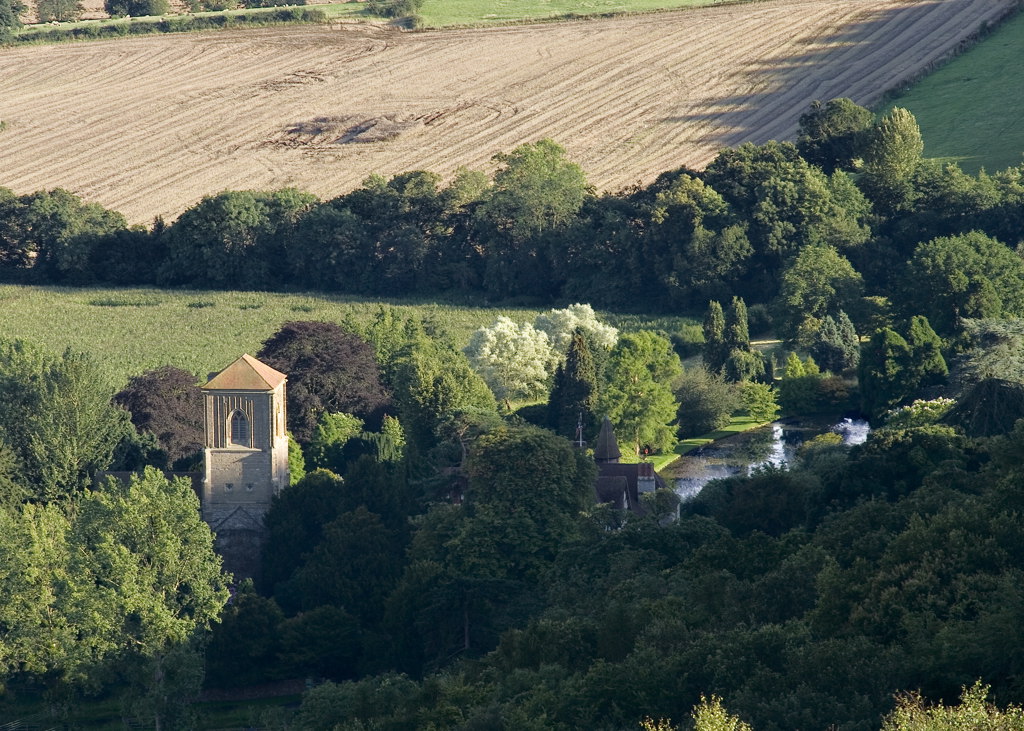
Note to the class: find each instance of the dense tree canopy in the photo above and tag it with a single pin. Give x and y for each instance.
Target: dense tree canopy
(58, 418)
(231, 240)
(10, 17)
(329, 369)
(637, 395)
(167, 403)
(833, 134)
(127, 580)
(967, 276)
(818, 282)
(533, 229)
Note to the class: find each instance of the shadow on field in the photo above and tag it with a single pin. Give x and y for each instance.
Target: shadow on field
(861, 60)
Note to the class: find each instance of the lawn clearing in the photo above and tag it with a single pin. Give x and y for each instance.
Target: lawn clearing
(736, 425)
(970, 110)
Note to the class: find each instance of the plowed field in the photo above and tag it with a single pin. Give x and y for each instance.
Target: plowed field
(147, 126)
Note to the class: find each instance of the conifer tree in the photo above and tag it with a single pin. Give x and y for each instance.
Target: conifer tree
(928, 366)
(715, 350)
(836, 346)
(574, 394)
(737, 331)
(883, 374)
(742, 363)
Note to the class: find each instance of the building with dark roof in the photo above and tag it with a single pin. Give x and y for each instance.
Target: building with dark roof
(621, 485)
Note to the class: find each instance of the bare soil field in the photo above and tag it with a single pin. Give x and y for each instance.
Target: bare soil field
(148, 126)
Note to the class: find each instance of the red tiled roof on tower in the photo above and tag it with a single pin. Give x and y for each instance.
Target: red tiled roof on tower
(247, 374)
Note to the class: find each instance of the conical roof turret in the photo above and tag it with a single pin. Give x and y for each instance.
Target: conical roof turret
(607, 447)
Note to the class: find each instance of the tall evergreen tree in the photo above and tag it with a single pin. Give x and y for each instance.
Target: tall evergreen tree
(715, 350)
(737, 332)
(574, 394)
(884, 372)
(836, 346)
(928, 365)
(742, 363)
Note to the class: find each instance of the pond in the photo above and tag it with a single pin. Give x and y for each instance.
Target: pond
(775, 444)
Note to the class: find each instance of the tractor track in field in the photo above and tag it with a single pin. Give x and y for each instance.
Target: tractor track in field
(149, 125)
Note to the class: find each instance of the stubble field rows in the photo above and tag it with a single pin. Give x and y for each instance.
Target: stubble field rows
(147, 126)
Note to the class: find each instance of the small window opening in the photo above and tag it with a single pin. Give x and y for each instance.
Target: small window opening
(228, 486)
(239, 429)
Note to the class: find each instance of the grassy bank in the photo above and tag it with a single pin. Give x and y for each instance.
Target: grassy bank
(736, 425)
(970, 109)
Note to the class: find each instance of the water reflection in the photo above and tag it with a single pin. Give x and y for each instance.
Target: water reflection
(774, 445)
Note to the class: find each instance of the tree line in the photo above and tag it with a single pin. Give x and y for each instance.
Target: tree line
(850, 217)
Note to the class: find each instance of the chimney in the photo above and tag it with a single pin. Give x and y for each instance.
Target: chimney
(645, 478)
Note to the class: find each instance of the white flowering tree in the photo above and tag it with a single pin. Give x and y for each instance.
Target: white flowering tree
(514, 360)
(559, 326)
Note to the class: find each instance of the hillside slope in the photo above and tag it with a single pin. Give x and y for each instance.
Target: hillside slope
(149, 125)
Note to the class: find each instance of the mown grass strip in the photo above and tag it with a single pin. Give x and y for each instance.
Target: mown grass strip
(736, 425)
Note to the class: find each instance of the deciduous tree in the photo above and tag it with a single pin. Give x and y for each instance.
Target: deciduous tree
(515, 360)
(561, 325)
(965, 276)
(818, 282)
(59, 10)
(536, 190)
(328, 369)
(168, 403)
(891, 157)
(832, 135)
(638, 393)
(58, 418)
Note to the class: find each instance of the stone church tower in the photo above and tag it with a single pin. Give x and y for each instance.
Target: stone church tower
(246, 457)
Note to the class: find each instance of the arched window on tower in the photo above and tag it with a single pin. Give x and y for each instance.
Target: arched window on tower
(239, 434)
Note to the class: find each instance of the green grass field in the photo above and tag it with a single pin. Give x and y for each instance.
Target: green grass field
(132, 330)
(971, 110)
(445, 13)
(442, 13)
